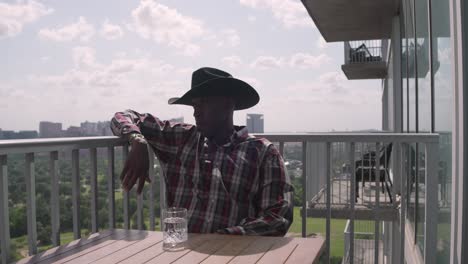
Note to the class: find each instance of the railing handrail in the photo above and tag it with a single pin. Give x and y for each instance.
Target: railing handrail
(48, 144)
(44, 144)
(353, 137)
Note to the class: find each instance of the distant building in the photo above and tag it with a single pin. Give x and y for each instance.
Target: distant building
(104, 128)
(28, 134)
(50, 129)
(73, 131)
(90, 129)
(255, 123)
(24, 134)
(177, 120)
(8, 134)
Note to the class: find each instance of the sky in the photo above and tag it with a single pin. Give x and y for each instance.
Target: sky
(76, 61)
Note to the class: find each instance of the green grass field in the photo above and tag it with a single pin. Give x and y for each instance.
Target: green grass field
(318, 226)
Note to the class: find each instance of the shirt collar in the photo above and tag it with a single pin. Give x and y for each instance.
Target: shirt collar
(239, 135)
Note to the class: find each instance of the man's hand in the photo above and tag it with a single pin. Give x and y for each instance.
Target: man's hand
(136, 167)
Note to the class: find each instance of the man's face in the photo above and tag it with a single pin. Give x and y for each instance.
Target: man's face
(211, 114)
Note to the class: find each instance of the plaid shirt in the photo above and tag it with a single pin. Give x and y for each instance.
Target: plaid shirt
(237, 188)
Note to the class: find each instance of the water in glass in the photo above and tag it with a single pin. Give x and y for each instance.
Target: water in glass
(174, 228)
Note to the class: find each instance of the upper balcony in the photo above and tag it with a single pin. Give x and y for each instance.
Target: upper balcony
(365, 59)
(344, 20)
(335, 173)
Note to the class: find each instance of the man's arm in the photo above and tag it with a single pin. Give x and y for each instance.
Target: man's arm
(273, 199)
(165, 137)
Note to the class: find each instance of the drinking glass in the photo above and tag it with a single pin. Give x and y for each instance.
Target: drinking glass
(174, 226)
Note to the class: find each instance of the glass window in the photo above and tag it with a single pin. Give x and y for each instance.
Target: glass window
(443, 97)
(424, 118)
(410, 105)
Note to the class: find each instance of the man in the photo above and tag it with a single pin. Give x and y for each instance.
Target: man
(229, 182)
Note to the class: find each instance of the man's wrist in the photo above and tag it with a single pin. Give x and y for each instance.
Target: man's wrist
(136, 137)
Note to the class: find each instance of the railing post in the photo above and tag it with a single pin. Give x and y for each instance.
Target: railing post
(328, 219)
(54, 198)
(353, 202)
(152, 176)
(281, 148)
(377, 202)
(140, 211)
(126, 195)
(162, 191)
(31, 202)
(111, 186)
(76, 193)
(94, 191)
(304, 189)
(4, 215)
(431, 204)
(404, 192)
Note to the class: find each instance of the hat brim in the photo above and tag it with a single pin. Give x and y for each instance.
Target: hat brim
(244, 95)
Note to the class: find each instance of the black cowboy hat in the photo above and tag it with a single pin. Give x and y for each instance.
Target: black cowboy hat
(213, 82)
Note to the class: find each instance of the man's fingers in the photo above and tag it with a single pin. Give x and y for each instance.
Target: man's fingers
(132, 181)
(124, 170)
(141, 184)
(127, 183)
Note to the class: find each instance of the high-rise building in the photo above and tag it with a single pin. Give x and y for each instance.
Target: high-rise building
(255, 123)
(90, 129)
(177, 120)
(73, 131)
(103, 128)
(50, 129)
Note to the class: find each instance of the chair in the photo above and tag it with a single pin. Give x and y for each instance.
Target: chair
(365, 169)
(362, 54)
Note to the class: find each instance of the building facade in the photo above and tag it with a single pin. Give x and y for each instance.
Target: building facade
(419, 49)
(255, 123)
(50, 129)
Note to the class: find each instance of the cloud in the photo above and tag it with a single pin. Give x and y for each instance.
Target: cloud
(232, 61)
(80, 30)
(229, 37)
(445, 55)
(306, 61)
(333, 89)
(14, 16)
(321, 43)
(152, 20)
(256, 83)
(266, 62)
(252, 18)
(111, 31)
(88, 71)
(291, 13)
(298, 61)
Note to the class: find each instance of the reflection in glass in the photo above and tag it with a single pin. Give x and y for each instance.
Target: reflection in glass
(443, 97)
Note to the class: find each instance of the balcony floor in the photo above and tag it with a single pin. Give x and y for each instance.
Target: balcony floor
(365, 207)
(365, 70)
(135, 246)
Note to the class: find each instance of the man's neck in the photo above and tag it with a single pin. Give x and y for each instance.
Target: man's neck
(224, 135)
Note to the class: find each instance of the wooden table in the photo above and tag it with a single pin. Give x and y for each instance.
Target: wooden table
(135, 246)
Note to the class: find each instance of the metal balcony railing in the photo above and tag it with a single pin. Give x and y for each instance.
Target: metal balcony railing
(365, 51)
(326, 159)
(365, 59)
